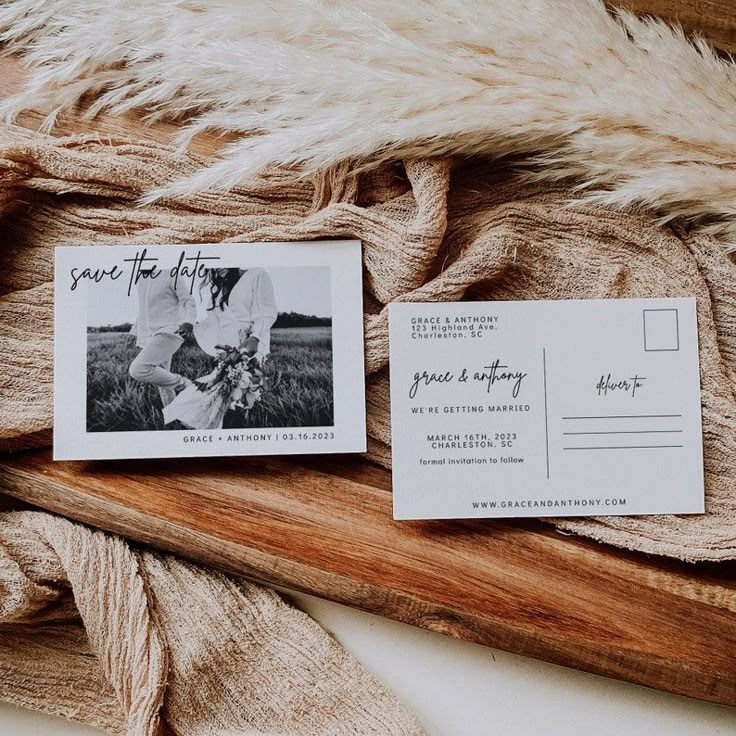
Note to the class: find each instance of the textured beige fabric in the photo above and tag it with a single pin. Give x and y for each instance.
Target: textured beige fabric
(429, 233)
(140, 643)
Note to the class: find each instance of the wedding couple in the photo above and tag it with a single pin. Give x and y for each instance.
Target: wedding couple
(240, 313)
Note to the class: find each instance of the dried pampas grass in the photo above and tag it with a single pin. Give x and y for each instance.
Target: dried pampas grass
(629, 107)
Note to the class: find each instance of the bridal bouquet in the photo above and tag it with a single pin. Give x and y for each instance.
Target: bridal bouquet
(237, 378)
(236, 383)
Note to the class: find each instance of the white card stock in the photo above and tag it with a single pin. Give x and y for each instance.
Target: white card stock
(547, 408)
(196, 350)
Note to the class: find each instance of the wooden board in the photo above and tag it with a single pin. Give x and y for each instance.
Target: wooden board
(715, 20)
(323, 525)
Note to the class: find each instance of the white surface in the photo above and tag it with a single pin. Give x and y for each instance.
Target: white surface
(461, 689)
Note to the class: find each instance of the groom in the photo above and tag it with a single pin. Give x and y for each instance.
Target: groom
(166, 315)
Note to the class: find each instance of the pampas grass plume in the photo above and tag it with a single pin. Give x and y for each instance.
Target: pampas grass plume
(629, 107)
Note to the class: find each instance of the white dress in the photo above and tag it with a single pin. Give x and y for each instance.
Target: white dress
(250, 312)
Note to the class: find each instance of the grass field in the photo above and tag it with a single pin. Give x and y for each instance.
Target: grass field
(298, 382)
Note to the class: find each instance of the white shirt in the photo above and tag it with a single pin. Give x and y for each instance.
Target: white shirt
(162, 307)
(250, 312)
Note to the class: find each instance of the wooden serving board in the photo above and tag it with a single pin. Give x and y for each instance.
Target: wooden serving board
(323, 526)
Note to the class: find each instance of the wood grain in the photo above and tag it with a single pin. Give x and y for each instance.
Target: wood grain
(323, 526)
(715, 20)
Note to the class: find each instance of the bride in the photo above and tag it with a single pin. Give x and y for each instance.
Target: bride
(241, 312)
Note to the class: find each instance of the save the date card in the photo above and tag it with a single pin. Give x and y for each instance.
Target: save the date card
(183, 350)
(546, 408)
